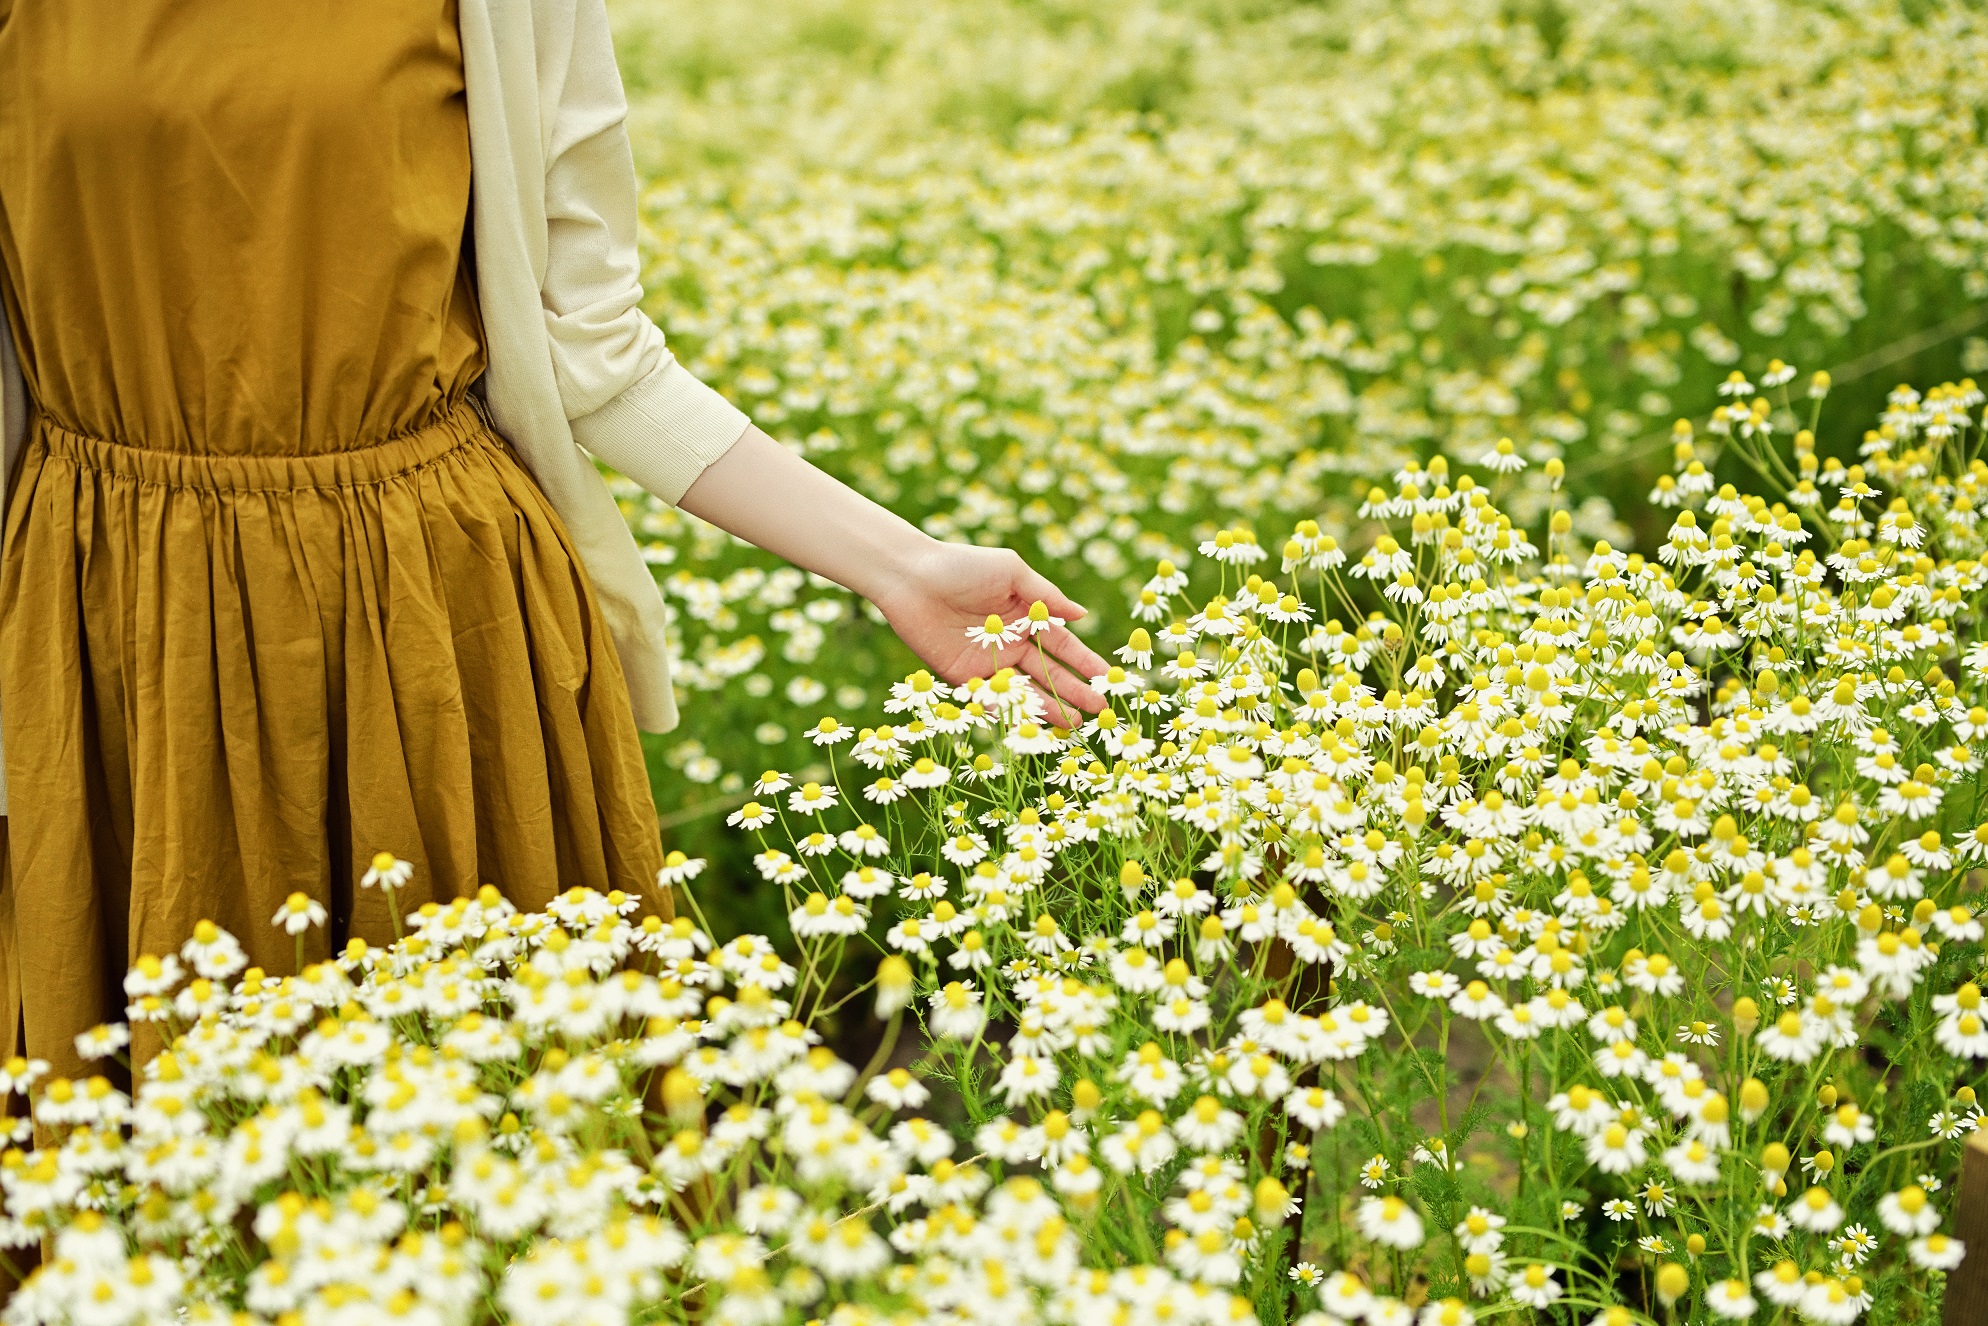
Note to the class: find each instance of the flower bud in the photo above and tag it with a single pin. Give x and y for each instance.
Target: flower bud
(1746, 1015)
(1753, 1099)
(893, 985)
(683, 1097)
(1672, 1282)
(1271, 1199)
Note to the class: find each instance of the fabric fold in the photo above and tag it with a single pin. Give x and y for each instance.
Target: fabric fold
(239, 677)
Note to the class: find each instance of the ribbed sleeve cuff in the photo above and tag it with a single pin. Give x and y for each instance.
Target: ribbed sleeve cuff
(663, 431)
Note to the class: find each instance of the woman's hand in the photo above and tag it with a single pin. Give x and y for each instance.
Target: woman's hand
(930, 592)
(944, 588)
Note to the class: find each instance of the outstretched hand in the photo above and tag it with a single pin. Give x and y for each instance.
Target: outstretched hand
(949, 587)
(929, 591)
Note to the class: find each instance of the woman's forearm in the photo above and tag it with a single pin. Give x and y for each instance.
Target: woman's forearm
(930, 591)
(768, 496)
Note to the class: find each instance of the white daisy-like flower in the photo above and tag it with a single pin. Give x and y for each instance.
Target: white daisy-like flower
(752, 815)
(1815, 1210)
(1731, 1300)
(1390, 1221)
(1038, 620)
(829, 732)
(1535, 1286)
(1908, 1212)
(1503, 458)
(299, 913)
(101, 1042)
(387, 871)
(678, 868)
(1434, 984)
(1477, 1001)
(812, 798)
(1936, 1252)
(994, 633)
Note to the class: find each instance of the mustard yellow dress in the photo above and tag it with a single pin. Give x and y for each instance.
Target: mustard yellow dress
(275, 596)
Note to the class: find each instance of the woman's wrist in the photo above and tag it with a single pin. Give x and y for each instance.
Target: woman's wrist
(899, 566)
(767, 495)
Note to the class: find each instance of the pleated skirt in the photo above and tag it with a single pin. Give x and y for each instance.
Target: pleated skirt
(227, 679)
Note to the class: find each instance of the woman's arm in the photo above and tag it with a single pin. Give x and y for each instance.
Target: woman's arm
(630, 403)
(929, 591)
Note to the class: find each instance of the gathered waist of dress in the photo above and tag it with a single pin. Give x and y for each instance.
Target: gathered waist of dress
(458, 424)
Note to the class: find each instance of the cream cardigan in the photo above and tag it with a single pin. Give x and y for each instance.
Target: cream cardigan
(573, 361)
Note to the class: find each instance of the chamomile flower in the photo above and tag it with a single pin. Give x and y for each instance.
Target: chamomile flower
(386, 871)
(1389, 1221)
(299, 913)
(994, 633)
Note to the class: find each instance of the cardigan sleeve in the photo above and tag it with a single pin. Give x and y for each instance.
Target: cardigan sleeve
(628, 399)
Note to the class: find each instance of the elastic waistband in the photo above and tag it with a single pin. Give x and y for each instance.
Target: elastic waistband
(398, 455)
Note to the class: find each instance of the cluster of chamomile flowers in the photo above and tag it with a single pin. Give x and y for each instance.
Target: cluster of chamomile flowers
(565, 1116)
(1671, 836)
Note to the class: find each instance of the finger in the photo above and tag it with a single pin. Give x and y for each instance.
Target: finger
(1065, 681)
(1055, 712)
(1065, 686)
(1032, 585)
(1074, 654)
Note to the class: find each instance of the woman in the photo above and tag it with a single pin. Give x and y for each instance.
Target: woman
(301, 560)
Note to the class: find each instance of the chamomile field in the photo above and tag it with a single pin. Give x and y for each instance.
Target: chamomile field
(1523, 465)
(1094, 280)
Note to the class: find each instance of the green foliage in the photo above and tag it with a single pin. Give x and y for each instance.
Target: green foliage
(1075, 277)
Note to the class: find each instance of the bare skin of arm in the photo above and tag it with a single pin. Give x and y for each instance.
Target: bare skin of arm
(928, 590)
